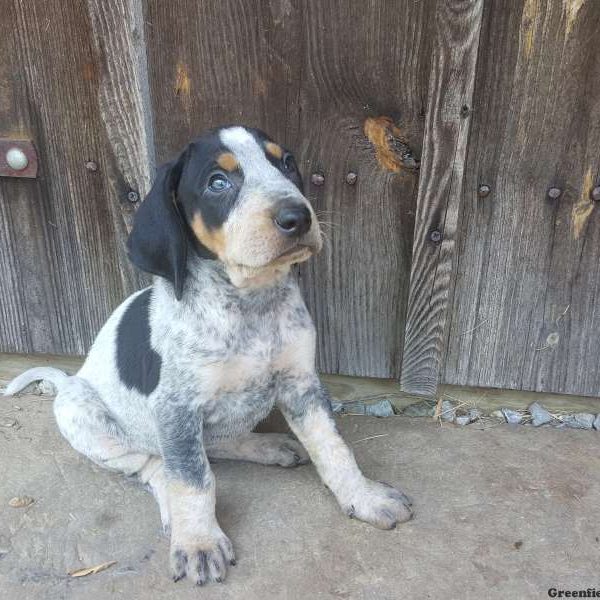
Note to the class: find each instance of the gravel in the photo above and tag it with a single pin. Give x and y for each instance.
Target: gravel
(597, 423)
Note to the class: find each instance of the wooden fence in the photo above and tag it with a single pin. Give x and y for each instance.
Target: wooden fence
(480, 268)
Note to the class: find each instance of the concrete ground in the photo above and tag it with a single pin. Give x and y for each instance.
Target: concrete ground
(505, 512)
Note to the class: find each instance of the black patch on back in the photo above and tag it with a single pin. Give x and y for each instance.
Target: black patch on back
(138, 363)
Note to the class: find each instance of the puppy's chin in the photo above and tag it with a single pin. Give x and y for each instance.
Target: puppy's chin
(244, 276)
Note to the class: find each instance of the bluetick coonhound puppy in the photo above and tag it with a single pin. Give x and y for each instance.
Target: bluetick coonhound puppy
(184, 370)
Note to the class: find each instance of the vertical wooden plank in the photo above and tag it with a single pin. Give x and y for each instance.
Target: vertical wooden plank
(362, 60)
(311, 74)
(525, 310)
(63, 230)
(457, 28)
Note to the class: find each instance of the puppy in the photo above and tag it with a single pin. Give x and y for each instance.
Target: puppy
(184, 370)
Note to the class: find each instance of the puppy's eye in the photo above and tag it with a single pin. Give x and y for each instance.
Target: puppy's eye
(218, 183)
(289, 164)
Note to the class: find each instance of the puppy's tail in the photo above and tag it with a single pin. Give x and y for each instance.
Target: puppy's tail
(55, 376)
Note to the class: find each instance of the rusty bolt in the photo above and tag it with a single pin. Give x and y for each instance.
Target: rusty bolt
(435, 236)
(90, 165)
(317, 179)
(133, 196)
(484, 190)
(596, 194)
(554, 193)
(351, 178)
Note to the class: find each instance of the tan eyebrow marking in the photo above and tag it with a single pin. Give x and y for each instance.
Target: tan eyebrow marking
(228, 161)
(274, 149)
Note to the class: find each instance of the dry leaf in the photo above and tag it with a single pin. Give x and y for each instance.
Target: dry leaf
(92, 570)
(21, 501)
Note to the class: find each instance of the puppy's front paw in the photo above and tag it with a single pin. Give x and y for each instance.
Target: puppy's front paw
(202, 561)
(379, 504)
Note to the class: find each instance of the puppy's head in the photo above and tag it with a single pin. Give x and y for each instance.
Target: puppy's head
(233, 195)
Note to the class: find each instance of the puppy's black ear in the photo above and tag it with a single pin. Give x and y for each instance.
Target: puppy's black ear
(157, 243)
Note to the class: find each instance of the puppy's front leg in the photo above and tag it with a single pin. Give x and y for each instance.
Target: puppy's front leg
(199, 548)
(306, 406)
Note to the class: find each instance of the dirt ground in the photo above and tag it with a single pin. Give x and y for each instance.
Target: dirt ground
(505, 512)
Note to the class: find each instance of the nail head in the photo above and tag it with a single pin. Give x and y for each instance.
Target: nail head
(351, 178)
(435, 236)
(317, 179)
(596, 194)
(554, 193)
(133, 196)
(90, 165)
(484, 190)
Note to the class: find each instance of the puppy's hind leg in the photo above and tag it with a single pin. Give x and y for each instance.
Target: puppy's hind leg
(86, 423)
(263, 448)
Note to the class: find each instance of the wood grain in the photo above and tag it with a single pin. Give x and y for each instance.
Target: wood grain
(310, 74)
(525, 310)
(59, 250)
(457, 28)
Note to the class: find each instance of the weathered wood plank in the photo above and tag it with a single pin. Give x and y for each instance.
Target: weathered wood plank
(61, 251)
(457, 28)
(311, 74)
(525, 312)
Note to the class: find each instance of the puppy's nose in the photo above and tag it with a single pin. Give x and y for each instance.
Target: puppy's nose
(293, 221)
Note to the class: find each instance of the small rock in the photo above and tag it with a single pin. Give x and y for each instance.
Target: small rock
(579, 421)
(539, 415)
(424, 408)
(337, 407)
(448, 411)
(511, 416)
(474, 414)
(383, 408)
(21, 501)
(45, 388)
(462, 420)
(597, 423)
(498, 414)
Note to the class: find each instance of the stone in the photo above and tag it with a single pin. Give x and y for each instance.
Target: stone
(462, 420)
(337, 407)
(474, 414)
(579, 421)
(498, 414)
(511, 416)
(424, 408)
(448, 411)
(597, 423)
(383, 408)
(539, 415)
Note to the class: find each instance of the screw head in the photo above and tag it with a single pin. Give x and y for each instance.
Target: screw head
(435, 236)
(554, 193)
(133, 196)
(90, 165)
(484, 190)
(351, 178)
(596, 194)
(16, 159)
(317, 179)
